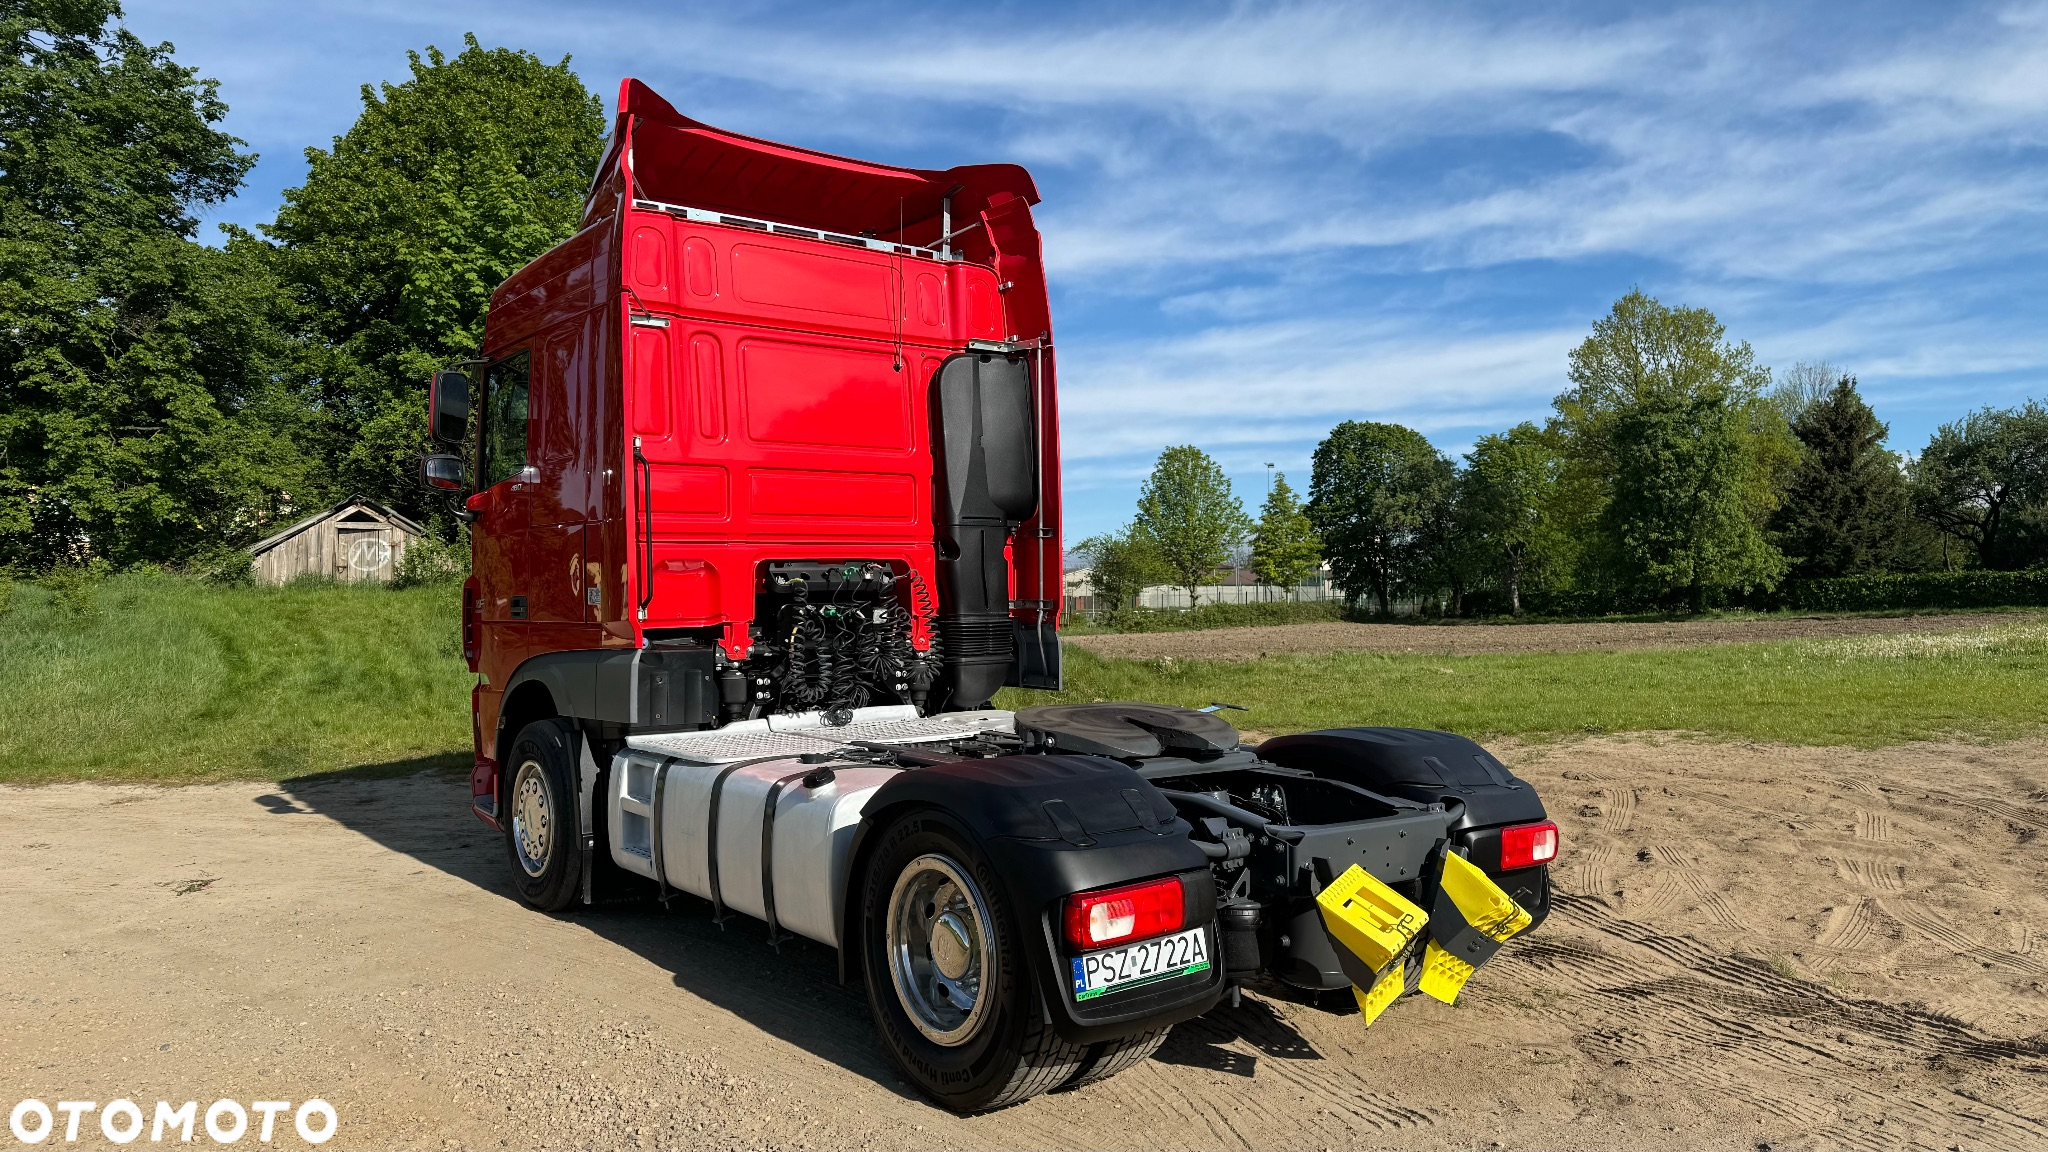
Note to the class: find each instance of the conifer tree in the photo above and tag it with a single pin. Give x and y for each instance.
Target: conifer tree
(1285, 547)
(1845, 509)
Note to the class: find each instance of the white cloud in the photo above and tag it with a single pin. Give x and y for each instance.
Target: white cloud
(1869, 188)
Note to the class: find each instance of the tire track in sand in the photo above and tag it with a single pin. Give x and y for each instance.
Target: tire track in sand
(1871, 875)
(1712, 902)
(1872, 825)
(1618, 813)
(1933, 923)
(2032, 817)
(1692, 1018)
(1850, 927)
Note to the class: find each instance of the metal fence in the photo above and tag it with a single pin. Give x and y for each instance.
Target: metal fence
(1166, 597)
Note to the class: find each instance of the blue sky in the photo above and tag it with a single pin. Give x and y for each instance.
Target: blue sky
(1262, 220)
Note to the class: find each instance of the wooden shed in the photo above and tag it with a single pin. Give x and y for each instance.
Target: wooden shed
(357, 539)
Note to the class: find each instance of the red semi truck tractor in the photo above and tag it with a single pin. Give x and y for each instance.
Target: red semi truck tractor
(762, 474)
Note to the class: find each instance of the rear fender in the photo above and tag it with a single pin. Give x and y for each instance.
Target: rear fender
(1053, 826)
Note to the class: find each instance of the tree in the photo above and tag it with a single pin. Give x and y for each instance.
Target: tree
(1121, 564)
(1983, 480)
(1189, 515)
(1506, 491)
(445, 185)
(1845, 508)
(142, 416)
(1678, 523)
(1665, 372)
(1802, 386)
(1372, 494)
(1285, 548)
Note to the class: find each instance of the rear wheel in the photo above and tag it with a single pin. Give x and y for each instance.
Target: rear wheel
(540, 825)
(948, 980)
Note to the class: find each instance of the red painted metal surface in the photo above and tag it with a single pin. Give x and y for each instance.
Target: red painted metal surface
(708, 396)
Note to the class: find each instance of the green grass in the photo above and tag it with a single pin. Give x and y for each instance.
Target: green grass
(167, 679)
(1988, 684)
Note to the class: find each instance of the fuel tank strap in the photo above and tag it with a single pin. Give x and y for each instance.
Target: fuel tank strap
(719, 915)
(654, 840)
(775, 934)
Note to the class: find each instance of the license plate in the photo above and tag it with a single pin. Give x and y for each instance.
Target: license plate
(1114, 969)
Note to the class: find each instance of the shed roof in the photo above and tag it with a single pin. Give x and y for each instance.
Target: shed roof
(269, 542)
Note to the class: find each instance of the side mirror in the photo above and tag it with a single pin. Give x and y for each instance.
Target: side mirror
(448, 407)
(442, 472)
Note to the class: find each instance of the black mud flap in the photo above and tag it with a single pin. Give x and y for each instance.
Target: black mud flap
(1038, 657)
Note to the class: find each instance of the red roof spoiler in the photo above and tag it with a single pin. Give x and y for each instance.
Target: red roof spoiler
(677, 160)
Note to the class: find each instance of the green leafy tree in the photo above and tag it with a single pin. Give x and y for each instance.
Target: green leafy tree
(1983, 481)
(1665, 371)
(1506, 495)
(1846, 508)
(142, 416)
(1373, 496)
(1121, 564)
(1802, 386)
(1678, 522)
(1285, 547)
(1190, 516)
(445, 185)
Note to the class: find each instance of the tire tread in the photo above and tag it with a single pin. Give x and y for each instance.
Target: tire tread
(1113, 1056)
(1047, 1063)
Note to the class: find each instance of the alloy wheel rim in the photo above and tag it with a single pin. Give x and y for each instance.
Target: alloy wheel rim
(941, 951)
(533, 818)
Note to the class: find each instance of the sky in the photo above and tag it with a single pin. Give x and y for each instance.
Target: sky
(1261, 220)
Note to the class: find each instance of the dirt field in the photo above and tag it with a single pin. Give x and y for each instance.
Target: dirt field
(1756, 947)
(1470, 639)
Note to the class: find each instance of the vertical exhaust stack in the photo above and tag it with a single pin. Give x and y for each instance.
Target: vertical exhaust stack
(986, 484)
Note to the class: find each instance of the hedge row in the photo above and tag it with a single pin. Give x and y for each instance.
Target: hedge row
(1979, 589)
(1210, 616)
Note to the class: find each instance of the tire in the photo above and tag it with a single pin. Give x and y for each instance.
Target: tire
(540, 824)
(931, 898)
(1113, 1056)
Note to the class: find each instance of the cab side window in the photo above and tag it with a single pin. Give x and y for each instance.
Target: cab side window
(505, 412)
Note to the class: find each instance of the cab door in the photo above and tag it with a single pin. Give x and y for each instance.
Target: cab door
(504, 480)
(558, 497)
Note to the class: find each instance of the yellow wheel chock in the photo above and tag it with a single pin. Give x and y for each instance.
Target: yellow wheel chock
(1379, 928)
(1470, 920)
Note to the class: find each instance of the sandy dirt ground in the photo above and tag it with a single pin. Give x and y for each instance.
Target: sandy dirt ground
(1470, 639)
(1755, 947)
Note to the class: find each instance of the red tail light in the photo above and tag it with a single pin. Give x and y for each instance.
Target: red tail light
(1132, 912)
(1527, 845)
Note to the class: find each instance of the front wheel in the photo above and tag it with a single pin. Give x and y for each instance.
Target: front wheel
(948, 980)
(540, 825)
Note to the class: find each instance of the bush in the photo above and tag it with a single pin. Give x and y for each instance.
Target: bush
(71, 588)
(430, 560)
(1977, 589)
(223, 565)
